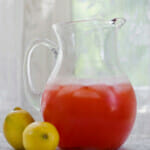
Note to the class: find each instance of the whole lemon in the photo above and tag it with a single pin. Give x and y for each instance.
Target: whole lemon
(40, 136)
(14, 125)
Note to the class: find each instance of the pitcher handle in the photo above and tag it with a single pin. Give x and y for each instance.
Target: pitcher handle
(31, 93)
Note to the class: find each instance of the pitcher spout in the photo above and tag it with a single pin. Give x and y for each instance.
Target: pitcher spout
(118, 22)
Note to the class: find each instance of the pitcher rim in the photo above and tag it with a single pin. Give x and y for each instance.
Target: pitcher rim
(116, 22)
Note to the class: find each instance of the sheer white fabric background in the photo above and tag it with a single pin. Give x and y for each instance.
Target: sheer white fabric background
(11, 28)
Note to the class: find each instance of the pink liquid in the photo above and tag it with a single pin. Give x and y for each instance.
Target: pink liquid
(94, 116)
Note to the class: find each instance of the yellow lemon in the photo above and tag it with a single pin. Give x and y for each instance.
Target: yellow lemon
(40, 136)
(14, 125)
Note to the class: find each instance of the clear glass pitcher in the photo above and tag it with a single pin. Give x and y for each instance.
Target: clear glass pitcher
(87, 97)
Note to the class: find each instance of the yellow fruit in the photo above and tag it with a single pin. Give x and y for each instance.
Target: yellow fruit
(40, 136)
(14, 125)
(17, 108)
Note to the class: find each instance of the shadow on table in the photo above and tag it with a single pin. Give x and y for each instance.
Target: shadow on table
(123, 148)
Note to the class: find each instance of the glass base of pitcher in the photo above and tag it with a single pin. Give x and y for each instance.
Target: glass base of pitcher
(87, 148)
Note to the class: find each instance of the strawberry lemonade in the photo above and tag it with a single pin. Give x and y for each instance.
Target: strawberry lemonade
(90, 115)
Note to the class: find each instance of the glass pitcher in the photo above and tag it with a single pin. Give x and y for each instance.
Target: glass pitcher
(87, 96)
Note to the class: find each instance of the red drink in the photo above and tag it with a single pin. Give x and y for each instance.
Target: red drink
(90, 116)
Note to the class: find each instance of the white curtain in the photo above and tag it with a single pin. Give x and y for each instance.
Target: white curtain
(11, 28)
